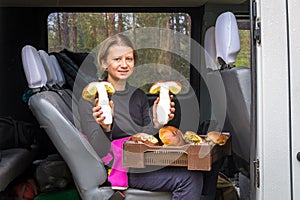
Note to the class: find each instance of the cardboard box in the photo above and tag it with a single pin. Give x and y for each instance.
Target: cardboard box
(192, 156)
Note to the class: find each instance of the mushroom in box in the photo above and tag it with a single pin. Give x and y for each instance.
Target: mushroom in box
(193, 138)
(216, 137)
(171, 136)
(144, 138)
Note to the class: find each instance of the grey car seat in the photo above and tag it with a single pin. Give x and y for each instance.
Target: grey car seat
(237, 81)
(88, 171)
(14, 162)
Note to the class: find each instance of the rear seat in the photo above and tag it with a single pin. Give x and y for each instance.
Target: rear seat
(87, 169)
(13, 163)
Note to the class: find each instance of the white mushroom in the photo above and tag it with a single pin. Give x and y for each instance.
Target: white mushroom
(163, 107)
(100, 90)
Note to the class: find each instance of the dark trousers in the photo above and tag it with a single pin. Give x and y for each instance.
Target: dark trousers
(182, 183)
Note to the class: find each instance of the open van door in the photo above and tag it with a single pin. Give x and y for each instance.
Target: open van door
(277, 48)
(274, 106)
(294, 60)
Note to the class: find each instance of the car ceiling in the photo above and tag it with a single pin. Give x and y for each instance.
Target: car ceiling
(113, 3)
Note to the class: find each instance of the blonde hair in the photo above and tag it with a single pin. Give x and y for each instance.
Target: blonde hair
(118, 39)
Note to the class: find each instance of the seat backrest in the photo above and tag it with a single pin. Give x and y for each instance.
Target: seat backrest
(237, 81)
(86, 167)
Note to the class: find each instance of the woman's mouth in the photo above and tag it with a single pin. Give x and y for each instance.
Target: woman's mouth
(123, 71)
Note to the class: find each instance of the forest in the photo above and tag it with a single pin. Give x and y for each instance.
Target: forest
(82, 32)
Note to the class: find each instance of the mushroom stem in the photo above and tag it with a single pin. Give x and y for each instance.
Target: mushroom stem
(103, 102)
(163, 106)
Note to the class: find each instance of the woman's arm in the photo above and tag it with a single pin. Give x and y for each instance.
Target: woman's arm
(95, 134)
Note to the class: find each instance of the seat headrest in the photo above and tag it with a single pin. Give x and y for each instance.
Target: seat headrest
(210, 48)
(227, 38)
(51, 75)
(33, 68)
(58, 71)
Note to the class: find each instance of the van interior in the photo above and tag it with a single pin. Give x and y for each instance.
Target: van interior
(37, 88)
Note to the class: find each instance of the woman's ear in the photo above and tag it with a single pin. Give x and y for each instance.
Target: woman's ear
(104, 65)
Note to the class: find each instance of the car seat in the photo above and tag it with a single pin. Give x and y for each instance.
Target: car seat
(237, 81)
(14, 162)
(88, 171)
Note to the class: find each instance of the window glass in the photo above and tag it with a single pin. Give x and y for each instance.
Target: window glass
(82, 32)
(243, 58)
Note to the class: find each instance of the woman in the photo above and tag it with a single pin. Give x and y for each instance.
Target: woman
(131, 115)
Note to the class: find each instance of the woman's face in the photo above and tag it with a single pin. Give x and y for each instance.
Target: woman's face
(119, 63)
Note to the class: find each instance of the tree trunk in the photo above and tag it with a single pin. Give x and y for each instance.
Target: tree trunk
(112, 23)
(106, 24)
(59, 30)
(133, 28)
(74, 32)
(65, 31)
(120, 23)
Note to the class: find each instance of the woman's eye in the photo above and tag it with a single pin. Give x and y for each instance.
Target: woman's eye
(129, 59)
(117, 59)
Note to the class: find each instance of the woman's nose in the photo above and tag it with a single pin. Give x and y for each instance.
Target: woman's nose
(123, 63)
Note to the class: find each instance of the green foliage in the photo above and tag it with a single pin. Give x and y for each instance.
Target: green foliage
(243, 58)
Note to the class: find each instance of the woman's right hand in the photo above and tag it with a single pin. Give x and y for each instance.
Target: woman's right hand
(97, 114)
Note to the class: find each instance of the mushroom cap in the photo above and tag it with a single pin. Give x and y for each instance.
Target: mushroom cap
(193, 138)
(174, 86)
(144, 138)
(90, 91)
(217, 137)
(171, 136)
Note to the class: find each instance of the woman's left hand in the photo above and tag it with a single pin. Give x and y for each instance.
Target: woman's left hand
(171, 114)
